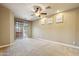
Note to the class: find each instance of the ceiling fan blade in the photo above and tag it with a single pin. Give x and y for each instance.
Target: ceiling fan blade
(44, 13)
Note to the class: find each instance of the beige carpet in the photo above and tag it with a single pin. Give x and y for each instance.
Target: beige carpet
(36, 47)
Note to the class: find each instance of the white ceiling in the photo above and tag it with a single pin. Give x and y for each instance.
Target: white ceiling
(24, 10)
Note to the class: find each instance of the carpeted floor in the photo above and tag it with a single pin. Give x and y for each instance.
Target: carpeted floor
(36, 47)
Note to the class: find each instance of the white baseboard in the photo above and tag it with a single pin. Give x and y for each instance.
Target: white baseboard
(60, 43)
(6, 45)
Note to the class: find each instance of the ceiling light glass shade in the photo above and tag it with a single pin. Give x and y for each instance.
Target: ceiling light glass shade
(37, 14)
(58, 11)
(42, 16)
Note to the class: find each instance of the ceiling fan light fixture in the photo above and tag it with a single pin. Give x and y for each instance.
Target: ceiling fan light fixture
(58, 11)
(37, 14)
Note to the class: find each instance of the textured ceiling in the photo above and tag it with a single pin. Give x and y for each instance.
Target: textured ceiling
(24, 10)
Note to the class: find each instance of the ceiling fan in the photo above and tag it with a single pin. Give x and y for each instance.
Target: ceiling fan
(37, 11)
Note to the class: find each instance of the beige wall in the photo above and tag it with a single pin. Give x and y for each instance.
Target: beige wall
(63, 32)
(77, 28)
(6, 26)
(12, 29)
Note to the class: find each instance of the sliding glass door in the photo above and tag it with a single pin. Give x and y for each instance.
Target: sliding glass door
(21, 29)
